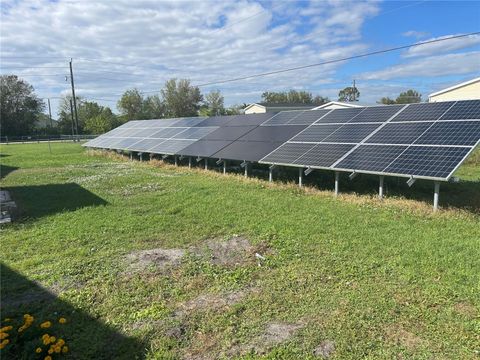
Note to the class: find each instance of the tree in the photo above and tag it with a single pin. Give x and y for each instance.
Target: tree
(180, 98)
(20, 108)
(386, 101)
(213, 104)
(153, 108)
(131, 105)
(87, 111)
(409, 97)
(349, 94)
(293, 97)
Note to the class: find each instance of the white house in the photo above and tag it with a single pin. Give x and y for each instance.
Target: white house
(260, 108)
(469, 90)
(337, 105)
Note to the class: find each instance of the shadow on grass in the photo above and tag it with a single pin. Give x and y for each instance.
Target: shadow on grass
(35, 201)
(464, 195)
(86, 336)
(5, 170)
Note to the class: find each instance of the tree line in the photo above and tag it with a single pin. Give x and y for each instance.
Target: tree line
(21, 109)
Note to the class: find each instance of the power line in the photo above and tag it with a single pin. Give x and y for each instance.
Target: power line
(337, 60)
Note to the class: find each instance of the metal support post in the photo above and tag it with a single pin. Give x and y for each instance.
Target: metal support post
(189, 162)
(206, 163)
(436, 195)
(337, 177)
(224, 167)
(270, 174)
(176, 160)
(300, 177)
(246, 170)
(380, 187)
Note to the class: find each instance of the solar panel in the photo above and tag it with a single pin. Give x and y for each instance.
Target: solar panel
(399, 133)
(316, 133)
(428, 161)
(145, 144)
(272, 133)
(451, 133)
(323, 155)
(340, 115)
(463, 110)
(204, 148)
(308, 117)
(247, 150)
(287, 153)
(283, 117)
(229, 133)
(424, 140)
(351, 133)
(377, 113)
(370, 158)
(170, 146)
(423, 112)
(250, 119)
(217, 120)
(195, 132)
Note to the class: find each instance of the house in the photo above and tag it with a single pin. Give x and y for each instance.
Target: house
(259, 108)
(337, 105)
(469, 90)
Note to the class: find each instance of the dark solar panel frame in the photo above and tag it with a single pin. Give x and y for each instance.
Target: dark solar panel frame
(454, 132)
(340, 116)
(399, 133)
(377, 114)
(423, 112)
(284, 117)
(463, 110)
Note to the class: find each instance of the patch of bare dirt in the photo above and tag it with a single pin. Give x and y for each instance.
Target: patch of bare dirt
(215, 302)
(398, 335)
(160, 259)
(236, 251)
(325, 349)
(466, 309)
(275, 333)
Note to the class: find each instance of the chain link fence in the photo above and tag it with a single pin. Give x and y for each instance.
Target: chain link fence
(41, 138)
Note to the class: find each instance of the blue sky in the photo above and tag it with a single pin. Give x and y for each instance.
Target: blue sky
(117, 45)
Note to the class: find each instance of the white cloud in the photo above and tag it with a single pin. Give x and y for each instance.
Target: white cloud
(443, 46)
(441, 65)
(204, 41)
(416, 34)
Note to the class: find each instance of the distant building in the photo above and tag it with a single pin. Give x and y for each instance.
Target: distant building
(337, 105)
(469, 90)
(260, 108)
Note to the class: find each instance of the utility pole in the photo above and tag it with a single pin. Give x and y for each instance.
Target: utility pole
(50, 113)
(73, 95)
(73, 121)
(354, 91)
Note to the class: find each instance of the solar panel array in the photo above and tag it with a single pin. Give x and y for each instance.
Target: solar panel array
(428, 140)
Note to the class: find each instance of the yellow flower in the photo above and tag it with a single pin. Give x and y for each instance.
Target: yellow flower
(52, 339)
(46, 339)
(38, 350)
(4, 343)
(48, 357)
(7, 319)
(45, 325)
(61, 342)
(3, 335)
(6, 328)
(50, 351)
(62, 320)
(27, 316)
(65, 349)
(57, 349)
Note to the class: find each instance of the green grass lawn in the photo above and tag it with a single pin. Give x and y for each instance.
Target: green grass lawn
(378, 280)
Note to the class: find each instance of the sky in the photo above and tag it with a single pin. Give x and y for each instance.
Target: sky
(122, 44)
